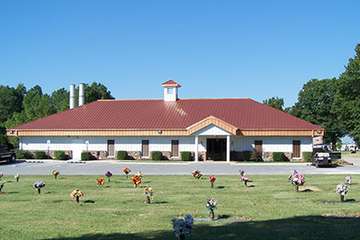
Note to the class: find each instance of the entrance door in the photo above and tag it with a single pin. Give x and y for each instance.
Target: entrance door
(216, 148)
(296, 149)
(111, 148)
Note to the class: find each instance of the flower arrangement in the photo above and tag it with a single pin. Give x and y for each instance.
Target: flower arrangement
(148, 191)
(136, 179)
(182, 226)
(196, 174)
(100, 181)
(211, 205)
(126, 170)
(108, 174)
(342, 189)
(212, 180)
(17, 177)
(38, 185)
(297, 179)
(76, 195)
(244, 178)
(348, 180)
(55, 173)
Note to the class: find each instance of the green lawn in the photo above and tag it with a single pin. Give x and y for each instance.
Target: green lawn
(270, 210)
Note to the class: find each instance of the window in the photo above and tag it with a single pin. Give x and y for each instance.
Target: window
(110, 148)
(258, 146)
(145, 148)
(170, 90)
(174, 148)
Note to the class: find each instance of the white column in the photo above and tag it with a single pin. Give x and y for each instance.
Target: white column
(227, 148)
(196, 148)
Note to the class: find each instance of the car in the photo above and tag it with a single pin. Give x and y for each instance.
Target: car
(323, 155)
(6, 154)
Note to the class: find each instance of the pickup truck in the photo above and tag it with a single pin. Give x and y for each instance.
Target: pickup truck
(6, 154)
(324, 156)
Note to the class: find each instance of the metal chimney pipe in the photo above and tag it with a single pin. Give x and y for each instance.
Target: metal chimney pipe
(81, 94)
(72, 96)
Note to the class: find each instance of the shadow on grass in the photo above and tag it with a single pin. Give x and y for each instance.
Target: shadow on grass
(89, 201)
(295, 228)
(220, 187)
(160, 202)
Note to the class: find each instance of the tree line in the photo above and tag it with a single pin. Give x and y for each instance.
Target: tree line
(19, 105)
(333, 103)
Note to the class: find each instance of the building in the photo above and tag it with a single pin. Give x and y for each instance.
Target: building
(212, 129)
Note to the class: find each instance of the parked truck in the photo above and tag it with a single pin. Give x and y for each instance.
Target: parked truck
(6, 154)
(323, 155)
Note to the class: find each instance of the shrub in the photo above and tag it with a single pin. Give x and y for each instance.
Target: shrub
(307, 156)
(60, 155)
(87, 156)
(121, 155)
(186, 156)
(256, 156)
(156, 155)
(21, 154)
(246, 155)
(280, 157)
(41, 155)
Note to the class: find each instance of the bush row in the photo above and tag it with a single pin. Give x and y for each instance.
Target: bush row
(23, 154)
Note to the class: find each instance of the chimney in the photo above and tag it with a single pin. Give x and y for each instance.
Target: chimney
(170, 90)
(81, 94)
(72, 96)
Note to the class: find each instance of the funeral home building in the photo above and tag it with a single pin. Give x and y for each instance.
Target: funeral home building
(211, 129)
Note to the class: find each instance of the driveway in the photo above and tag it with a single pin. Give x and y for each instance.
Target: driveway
(100, 167)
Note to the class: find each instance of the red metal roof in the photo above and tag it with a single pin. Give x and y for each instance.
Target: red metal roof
(246, 114)
(170, 83)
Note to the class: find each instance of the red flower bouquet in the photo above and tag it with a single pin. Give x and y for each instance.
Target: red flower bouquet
(212, 180)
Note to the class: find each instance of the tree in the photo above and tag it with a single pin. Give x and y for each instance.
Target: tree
(275, 102)
(60, 99)
(96, 91)
(36, 105)
(10, 101)
(347, 101)
(315, 104)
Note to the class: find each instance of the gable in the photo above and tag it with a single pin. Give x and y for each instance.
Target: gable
(212, 130)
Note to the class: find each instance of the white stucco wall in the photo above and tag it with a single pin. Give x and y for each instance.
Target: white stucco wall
(271, 144)
(238, 143)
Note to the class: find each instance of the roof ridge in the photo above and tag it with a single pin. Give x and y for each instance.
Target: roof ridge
(160, 99)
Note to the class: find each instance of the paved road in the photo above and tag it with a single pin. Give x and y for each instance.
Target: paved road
(100, 167)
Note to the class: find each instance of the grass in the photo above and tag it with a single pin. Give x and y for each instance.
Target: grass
(270, 210)
(349, 154)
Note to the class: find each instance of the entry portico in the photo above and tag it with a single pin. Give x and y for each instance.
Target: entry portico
(215, 141)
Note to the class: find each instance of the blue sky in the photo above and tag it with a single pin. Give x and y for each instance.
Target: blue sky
(255, 49)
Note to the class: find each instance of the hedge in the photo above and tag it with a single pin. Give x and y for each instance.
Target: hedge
(87, 156)
(156, 155)
(41, 155)
(186, 156)
(256, 156)
(280, 157)
(246, 155)
(60, 155)
(121, 155)
(21, 154)
(307, 156)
